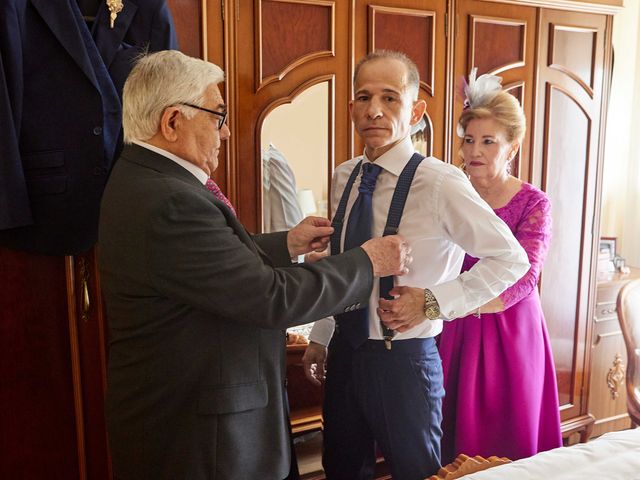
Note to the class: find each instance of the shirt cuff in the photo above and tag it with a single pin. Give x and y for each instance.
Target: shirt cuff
(322, 331)
(451, 299)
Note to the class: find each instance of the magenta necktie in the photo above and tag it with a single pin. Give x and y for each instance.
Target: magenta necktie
(215, 189)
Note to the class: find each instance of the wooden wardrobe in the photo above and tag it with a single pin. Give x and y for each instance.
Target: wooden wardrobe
(554, 55)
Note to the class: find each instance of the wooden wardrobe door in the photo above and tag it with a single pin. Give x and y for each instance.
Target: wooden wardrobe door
(279, 49)
(37, 401)
(417, 28)
(572, 84)
(498, 39)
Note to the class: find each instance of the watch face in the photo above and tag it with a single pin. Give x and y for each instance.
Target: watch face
(432, 312)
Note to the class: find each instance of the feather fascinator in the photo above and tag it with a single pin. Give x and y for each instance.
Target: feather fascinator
(479, 91)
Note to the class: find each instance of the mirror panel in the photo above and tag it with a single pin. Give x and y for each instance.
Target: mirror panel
(295, 166)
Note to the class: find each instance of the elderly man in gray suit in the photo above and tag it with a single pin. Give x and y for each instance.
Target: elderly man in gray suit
(196, 305)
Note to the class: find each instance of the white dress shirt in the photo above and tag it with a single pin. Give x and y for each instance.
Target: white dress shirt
(444, 217)
(192, 168)
(280, 202)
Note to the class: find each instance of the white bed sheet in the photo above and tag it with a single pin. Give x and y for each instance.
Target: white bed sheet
(613, 456)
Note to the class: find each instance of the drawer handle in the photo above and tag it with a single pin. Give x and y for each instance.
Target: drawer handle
(608, 311)
(615, 376)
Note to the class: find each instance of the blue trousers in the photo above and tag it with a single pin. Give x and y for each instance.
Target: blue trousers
(389, 399)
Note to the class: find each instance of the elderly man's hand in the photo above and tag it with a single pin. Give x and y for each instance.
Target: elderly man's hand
(390, 255)
(403, 312)
(314, 362)
(310, 234)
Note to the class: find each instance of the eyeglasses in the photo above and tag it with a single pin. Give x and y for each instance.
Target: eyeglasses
(222, 115)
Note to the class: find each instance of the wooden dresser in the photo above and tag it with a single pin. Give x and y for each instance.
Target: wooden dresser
(607, 395)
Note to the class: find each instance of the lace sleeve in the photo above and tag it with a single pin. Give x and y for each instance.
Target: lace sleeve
(533, 231)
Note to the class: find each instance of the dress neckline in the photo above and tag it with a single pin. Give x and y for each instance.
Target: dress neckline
(524, 186)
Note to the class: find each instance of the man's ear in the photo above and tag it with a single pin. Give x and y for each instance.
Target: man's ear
(169, 123)
(419, 107)
(351, 109)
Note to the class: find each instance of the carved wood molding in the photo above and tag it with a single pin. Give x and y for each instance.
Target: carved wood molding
(204, 29)
(516, 163)
(550, 87)
(262, 81)
(330, 79)
(76, 366)
(582, 424)
(611, 7)
(616, 376)
(426, 81)
(191, 23)
(464, 465)
(522, 25)
(553, 28)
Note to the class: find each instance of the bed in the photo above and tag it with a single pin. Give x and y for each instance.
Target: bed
(613, 456)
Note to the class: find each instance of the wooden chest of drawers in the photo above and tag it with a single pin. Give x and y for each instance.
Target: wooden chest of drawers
(607, 395)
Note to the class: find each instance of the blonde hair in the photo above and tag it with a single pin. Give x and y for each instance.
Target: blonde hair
(504, 109)
(160, 80)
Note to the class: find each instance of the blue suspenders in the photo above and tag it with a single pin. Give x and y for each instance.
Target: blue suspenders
(393, 220)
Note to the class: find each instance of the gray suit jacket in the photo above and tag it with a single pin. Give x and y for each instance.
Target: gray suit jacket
(197, 309)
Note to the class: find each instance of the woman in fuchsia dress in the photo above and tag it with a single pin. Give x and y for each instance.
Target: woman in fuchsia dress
(499, 377)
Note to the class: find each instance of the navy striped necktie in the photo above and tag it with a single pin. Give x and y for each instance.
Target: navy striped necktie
(361, 217)
(356, 328)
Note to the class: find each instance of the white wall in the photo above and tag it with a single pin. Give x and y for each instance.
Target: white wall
(621, 183)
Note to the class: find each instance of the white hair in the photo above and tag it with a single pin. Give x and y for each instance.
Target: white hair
(160, 80)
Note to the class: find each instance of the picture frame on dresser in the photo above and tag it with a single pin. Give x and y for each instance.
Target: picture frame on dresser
(608, 245)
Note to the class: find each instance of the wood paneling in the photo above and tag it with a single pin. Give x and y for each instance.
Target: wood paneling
(607, 389)
(408, 31)
(249, 108)
(498, 39)
(290, 33)
(566, 153)
(609, 7)
(187, 18)
(88, 336)
(37, 406)
(564, 306)
(511, 35)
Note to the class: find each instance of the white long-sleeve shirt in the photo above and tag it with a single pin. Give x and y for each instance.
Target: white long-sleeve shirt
(280, 202)
(444, 217)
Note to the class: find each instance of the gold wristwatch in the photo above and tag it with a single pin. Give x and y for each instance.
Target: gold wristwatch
(431, 307)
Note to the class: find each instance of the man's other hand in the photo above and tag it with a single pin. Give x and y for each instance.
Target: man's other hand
(314, 363)
(310, 234)
(405, 311)
(390, 255)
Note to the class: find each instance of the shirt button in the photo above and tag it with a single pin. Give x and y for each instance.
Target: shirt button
(97, 130)
(452, 314)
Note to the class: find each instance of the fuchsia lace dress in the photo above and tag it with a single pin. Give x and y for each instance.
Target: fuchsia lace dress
(499, 377)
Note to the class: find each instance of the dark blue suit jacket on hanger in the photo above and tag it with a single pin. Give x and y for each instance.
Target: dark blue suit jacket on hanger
(60, 114)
